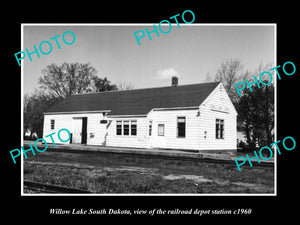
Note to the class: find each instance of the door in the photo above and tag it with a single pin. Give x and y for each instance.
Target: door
(84, 130)
(160, 139)
(77, 130)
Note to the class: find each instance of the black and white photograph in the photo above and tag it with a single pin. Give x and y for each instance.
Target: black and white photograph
(159, 117)
(149, 111)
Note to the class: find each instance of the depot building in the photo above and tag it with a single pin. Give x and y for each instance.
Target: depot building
(193, 117)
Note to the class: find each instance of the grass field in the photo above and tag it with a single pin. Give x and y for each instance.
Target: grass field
(124, 174)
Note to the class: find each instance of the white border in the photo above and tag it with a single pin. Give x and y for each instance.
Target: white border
(22, 111)
(151, 24)
(275, 110)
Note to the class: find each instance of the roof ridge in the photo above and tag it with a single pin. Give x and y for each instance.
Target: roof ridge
(137, 101)
(184, 85)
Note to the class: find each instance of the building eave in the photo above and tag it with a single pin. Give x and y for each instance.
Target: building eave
(176, 108)
(77, 112)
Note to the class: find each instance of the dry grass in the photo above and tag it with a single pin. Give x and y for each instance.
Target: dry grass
(123, 174)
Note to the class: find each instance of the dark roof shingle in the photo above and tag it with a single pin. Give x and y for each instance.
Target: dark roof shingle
(138, 101)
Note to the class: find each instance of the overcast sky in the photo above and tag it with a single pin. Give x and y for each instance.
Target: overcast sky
(189, 51)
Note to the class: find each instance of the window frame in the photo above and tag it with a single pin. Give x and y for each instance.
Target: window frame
(150, 128)
(220, 128)
(131, 129)
(127, 127)
(126, 123)
(119, 123)
(179, 134)
(163, 130)
(52, 126)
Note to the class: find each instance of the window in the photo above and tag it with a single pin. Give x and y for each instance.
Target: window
(150, 128)
(119, 128)
(219, 129)
(180, 126)
(222, 129)
(52, 123)
(126, 127)
(161, 130)
(133, 127)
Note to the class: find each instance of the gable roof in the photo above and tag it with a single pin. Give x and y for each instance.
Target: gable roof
(136, 101)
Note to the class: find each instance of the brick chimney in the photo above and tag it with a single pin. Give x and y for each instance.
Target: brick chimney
(174, 81)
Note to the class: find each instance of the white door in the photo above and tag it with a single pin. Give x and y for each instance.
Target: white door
(77, 129)
(160, 136)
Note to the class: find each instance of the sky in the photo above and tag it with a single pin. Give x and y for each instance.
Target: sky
(189, 52)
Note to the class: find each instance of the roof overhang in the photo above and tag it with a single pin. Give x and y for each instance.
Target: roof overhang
(176, 108)
(77, 112)
(126, 116)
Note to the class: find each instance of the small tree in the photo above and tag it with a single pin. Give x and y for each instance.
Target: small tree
(26, 111)
(34, 107)
(256, 115)
(99, 85)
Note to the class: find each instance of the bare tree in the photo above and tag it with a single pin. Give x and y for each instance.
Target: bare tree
(67, 79)
(229, 73)
(208, 77)
(125, 86)
(73, 78)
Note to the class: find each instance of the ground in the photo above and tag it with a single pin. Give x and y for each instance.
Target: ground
(100, 173)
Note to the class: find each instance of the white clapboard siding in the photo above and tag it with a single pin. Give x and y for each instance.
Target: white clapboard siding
(138, 141)
(170, 139)
(95, 130)
(217, 106)
(200, 126)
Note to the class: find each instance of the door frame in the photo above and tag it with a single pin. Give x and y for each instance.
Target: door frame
(83, 129)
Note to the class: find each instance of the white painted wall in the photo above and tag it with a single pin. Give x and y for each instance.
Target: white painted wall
(218, 98)
(138, 141)
(170, 139)
(196, 126)
(105, 134)
(95, 130)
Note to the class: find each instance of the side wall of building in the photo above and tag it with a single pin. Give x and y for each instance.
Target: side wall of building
(200, 126)
(218, 106)
(95, 130)
(133, 141)
(170, 138)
